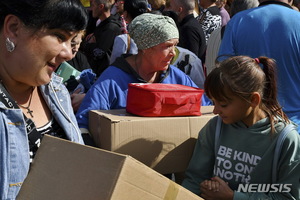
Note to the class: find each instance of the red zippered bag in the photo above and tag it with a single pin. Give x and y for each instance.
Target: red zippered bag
(158, 99)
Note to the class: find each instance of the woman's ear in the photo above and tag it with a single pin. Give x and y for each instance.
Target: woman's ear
(255, 99)
(11, 27)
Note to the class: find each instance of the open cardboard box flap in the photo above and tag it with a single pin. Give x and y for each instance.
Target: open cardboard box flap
(63, 170)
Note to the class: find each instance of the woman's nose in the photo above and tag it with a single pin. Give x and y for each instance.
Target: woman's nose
(173, 52)
(66, 51)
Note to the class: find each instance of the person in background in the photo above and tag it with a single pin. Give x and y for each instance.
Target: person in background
(228, 5)
(91, 23)
(190, 64)
(209, 17)
(191, 33)
(275, 37)
(98, 45)
(185, 60)
(76, 85)
(157, 5)
(79, 60)
(296, 5)
(223, 12)
(242, 150)
(35, 38)
(156, 37)
(240, 5)
(214, 41)
(124, 44)
(120, 10)
(113, 9)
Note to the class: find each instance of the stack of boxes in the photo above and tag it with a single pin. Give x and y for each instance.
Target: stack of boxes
(133, 153)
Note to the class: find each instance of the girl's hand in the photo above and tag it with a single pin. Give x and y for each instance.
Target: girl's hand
(210, 185)
(216, 189)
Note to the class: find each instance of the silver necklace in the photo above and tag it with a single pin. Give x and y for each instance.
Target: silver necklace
(29, 111)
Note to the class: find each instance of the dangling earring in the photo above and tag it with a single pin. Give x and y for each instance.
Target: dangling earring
(10, 46)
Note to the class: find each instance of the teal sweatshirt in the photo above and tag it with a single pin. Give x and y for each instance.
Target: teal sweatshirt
(244, 155)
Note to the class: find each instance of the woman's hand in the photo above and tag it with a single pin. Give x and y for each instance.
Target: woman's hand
(216, 189)
(76, 99)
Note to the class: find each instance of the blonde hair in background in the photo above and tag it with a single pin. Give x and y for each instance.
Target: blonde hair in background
(157, 4)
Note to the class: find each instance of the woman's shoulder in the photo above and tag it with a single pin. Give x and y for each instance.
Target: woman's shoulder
(209, 129)
(56, 80)
(113, 75)
(56, 84)
(211, 124)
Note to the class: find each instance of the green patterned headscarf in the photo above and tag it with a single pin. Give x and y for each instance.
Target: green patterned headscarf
(148, 30)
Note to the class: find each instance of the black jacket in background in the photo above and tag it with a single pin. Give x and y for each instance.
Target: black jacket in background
(79, 62)
(98, 54)
(191, 36)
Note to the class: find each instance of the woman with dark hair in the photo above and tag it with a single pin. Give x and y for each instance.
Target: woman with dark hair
(123, 44)
(35, 38)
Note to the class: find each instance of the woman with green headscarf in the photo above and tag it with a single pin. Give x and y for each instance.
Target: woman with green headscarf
(156, 37)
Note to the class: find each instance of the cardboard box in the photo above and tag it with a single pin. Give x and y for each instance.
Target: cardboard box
(165, 144)
(63, 170)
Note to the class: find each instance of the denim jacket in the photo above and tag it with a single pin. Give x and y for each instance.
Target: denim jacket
(14, 154)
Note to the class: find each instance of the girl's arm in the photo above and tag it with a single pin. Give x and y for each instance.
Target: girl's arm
(202, 162)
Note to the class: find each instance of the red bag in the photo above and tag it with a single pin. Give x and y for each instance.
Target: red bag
(158, 99)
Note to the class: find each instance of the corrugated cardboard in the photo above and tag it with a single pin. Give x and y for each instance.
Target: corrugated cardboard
(162, 143)
(63, 170)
